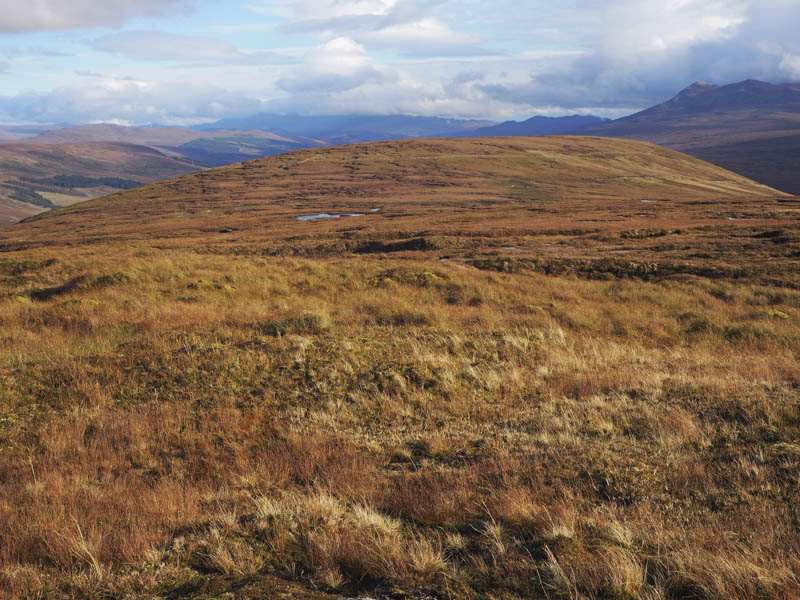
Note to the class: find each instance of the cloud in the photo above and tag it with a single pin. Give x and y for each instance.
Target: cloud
(131, 102)
(638, 54)
(405, 95)
(162, 46)
(405, 26)
(88, 73)
(499, 59)
(610, 58)
(31, 52)
(791, 66)
(424, 37)
(58, 15)
(326, 9)
(336, 66)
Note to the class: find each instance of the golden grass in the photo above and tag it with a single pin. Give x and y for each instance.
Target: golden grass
(149, 419)
(175, 423)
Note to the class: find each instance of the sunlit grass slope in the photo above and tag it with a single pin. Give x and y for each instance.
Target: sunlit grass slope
(290, 409)
(27, 171)
(442, 186)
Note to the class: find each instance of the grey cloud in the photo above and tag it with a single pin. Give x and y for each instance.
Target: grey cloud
(721, 42)
(58, 15)
(608, 57)
(327, 83)
(345, 24)
(88, 73)
(14, 52)
(400, 13)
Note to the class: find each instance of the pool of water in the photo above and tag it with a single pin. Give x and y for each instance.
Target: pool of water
(328, 216)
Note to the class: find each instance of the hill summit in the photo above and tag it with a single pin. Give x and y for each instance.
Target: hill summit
(402, 189)
(750, 127)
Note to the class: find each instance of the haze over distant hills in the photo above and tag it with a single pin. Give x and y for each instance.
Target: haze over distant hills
(236, 140)
(146, 136)
(9, 133)
(751, 127)
(344, 128)
(52, 152)
(538, 126)
(209, 148)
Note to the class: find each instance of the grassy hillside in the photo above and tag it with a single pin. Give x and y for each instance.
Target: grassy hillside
(27, 170)
(546, 368)
(205, 147)
(459, 188)
(749, 127)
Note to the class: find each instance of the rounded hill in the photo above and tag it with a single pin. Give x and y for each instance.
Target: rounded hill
(428, 186)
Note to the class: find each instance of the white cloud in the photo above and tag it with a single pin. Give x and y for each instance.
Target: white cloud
(635, 54)
(426, 36)
(405, 26)
(328, 9)
(667, 26)
(133, 102)
(791, 66)
(40, 15)
(499, 59)
(336, 66)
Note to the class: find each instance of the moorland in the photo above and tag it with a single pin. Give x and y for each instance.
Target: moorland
(561, 367)
(751, 127)
(38, 177)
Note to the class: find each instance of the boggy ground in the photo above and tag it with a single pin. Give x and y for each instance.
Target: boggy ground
(185, 420)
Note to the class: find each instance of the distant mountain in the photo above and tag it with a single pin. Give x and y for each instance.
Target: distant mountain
(354, 128)
(20, 132)
(144, 136)
(209, 148)
(236, 140)
(751, 127)
(348, 129)
(238, 146)
(37, 177)
(538, 126)
(105, 132)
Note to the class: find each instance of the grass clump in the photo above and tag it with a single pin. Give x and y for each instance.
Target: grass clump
(307, 323)
(642, 234)
(417, 277)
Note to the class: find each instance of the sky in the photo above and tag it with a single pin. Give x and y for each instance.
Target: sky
(185, 62)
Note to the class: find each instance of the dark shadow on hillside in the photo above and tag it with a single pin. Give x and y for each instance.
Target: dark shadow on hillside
(59, 290)
(421, 243)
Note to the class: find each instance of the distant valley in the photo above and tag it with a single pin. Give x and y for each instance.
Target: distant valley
(751, 128)
(38, 177)
(33, 158)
